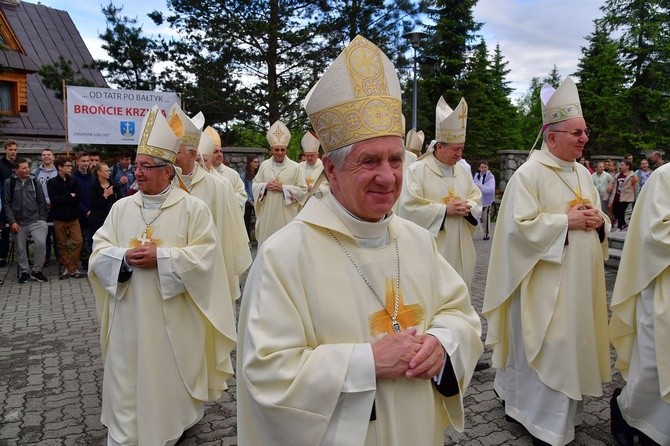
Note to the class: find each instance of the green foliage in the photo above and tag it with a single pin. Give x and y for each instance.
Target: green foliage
(255, 60)
(132, 54)
(604, 96)
(643, 30)
(492, 119)
(53, 76)
(248, 63)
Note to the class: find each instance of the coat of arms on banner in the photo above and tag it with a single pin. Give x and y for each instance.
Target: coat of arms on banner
(127, 128)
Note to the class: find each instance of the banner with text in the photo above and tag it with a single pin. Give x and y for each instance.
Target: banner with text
(109, 116)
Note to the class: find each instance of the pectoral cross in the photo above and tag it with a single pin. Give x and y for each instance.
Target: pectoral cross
(146, 238)
(410, 315)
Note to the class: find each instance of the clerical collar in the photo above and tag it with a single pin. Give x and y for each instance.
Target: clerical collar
(155, 201)
(566, 166)
(367, 234)
(275, 163)
(447, 170)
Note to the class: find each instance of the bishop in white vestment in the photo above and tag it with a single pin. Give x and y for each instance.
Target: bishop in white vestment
(545, 298)
(353, 329)
(167, 323)
(640, 323)
(439, 194)
(278, 187)
(218, 194)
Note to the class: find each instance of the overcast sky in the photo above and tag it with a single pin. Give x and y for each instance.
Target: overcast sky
(534, 35)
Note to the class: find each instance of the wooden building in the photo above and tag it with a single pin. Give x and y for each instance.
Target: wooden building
(32, 36)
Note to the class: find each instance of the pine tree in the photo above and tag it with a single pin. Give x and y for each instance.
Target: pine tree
(643, 27)
(603, 95)
(53, 76)
(132, 54)
(451, 38)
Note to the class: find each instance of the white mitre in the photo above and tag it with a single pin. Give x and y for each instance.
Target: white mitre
(310, 143)
(207, 143)
(199, 120)
(414, 141)
(560, 104)
(450, 125)
(357, 98)
(157, 138)
(182, 126)
(278, 135)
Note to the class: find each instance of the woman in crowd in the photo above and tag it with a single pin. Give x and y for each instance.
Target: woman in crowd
(622, 193)
(104, 192)
(248, 177)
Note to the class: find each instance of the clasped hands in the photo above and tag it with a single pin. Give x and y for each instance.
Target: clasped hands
(458, 208)
(142, 257)
(409, 355)
(274, 185)
(584, 217)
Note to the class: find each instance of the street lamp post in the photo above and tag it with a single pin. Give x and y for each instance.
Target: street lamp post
(414, 38)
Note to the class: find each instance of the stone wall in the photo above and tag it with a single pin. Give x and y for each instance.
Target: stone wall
(510, 160)
(237, 156)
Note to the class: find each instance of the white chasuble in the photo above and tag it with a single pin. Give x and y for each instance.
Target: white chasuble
(311, 172)
(306, 374)
(167, 332)
(219, 196)
(275, 209)
(558, 276)
(640, 323)
(235, 179)
(425, 193)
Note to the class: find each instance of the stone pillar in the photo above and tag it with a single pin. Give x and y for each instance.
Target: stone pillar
(510, 160)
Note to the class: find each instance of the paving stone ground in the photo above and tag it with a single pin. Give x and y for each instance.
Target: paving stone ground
(51, 375)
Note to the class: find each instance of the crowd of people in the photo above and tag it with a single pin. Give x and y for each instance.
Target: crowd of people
(356, 324)
(620, 182)
(57, 207)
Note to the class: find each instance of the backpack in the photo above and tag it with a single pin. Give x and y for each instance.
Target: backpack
(12, 186)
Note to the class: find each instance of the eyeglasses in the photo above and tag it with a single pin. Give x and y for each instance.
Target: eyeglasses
(576, 132)
(67, 165)
(145, 167)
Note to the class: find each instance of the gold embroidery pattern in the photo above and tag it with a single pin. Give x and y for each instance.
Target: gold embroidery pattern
(372, 113)
(447, 136)
(356, 120)
(408, 315)
(146, 239)
(144, 148)
(452, 196)
(561, 113)
(366, 72)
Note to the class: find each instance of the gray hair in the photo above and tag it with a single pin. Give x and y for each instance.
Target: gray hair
(337, 156)
(550, 128)
(162, 162)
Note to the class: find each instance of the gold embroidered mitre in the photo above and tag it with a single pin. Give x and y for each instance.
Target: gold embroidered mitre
(310, 143)
(450, 125)
(560, 104)
(213, 135)
(357, 98)
(207, 143)
(157, 138)
(185, 129)
(278, 135)
(414, 141)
